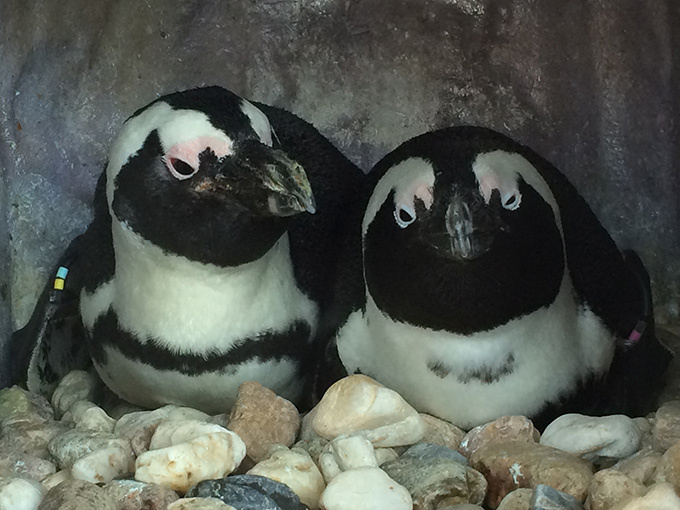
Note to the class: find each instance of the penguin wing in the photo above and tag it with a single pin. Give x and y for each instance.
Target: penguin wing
(318, 242)
(53, 342)
(616, 287)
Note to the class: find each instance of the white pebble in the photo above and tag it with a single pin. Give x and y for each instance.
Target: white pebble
(297, 470)
(615, 436)
(199, 504)
(358, 404)
(174, 432)
(353, 452)
(329, 466)
(20, 494)
(182, 465)
(56, 478)
(88, 416)
(76, 385)
(383, 455)
(365, 488)
(104, 465)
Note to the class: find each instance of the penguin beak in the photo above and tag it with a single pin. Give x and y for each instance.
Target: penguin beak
(266, 181)
(470, 227)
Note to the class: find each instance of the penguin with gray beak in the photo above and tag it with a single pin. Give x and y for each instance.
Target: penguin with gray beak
(478, 283)
(208, 259)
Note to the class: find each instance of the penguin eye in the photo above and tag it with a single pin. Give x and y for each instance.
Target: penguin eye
(512, 202)
(404, 216)
(181, 169)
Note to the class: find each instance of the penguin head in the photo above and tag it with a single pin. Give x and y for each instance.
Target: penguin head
(199, 173)
(461, 232)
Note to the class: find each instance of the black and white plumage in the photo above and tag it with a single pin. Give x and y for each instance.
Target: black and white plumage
(207, 261)
(483, 285)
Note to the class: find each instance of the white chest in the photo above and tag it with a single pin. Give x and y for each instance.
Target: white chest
(512, 369)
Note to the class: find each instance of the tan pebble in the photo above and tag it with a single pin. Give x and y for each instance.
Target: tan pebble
(610, 487)
(641, 466)
(511, 428)
(263, 419)
(666, 429)
(441, 432)
(661, 496)
(519, 499)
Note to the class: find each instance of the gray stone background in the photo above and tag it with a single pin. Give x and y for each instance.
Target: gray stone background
(591, 84)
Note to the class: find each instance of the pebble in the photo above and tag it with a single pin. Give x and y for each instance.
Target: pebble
(614, 437)
(77, 495)
(668, 469)
(31, 436)
(20, 494)
(610, 487)
(508, 465)
(313, 446)
(435, 480)
(133, 495)
(16, 463)
(515, 428)
(425, 451)
(352, 452)
(17, 404)
(200, 504)
(76, 385)
(105, 464)
(365, 488)
(56, 478)
(357, 403)
(179, 466)
(383, 455)
(73, 445)
(139, 426)
(263, 419)
(518, 499)
(661, 496)
(547, 498)
(666, 430)
(460, 506)
(169, 433)
(440, 432)
(641, 466)
(88, 416)
(297, 470)
(249, 492)
(329, 466)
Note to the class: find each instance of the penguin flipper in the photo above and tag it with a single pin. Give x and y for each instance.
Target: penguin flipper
(52, 343)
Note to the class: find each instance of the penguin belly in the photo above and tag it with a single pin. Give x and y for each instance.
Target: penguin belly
(514, 369)
(167, 330)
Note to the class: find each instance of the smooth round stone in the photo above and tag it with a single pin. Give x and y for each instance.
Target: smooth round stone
(249, 492)
(352, 452)
(434, 480)
(511, 428)
(263, 419)
(359, 404)
(76, 385)
(133, 495)
(641, 466)
(20, 494)
(73, 445)
(297, 470)
(610, 487)
(104, 465)
(614, 437)
(88, 416)
(661, 496)
(365, 488)
(182, 465)
(426, 451)
(200, 504)
(170, 433)
(517, 500)
(77, 495)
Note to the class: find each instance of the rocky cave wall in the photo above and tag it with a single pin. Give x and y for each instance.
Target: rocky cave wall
(590, 84)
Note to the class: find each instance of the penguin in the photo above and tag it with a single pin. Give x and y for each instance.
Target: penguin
(207, 261)
(478, 283)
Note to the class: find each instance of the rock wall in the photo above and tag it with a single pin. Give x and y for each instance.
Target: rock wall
(591, 84)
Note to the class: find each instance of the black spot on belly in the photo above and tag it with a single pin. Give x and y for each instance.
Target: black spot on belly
(489, 375)
(292, 344)
(438, 368)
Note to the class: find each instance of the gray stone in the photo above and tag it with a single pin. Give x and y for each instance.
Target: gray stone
(17, 404)
(431, 481)
(77, 495)
(73, 445)
(248, 492)
(425, 451)
(132, 495)
(547, 498)
(17, 463)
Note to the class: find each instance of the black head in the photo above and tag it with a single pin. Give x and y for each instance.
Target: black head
(198, 173)
(461, 232)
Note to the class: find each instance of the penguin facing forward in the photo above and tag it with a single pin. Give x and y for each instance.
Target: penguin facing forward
(207, 261)
(483, 285)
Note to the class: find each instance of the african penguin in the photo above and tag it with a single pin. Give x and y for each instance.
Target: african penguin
(207, 261)
(478, 283)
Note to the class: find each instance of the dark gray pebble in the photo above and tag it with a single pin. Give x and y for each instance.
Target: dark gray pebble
(248, 492)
